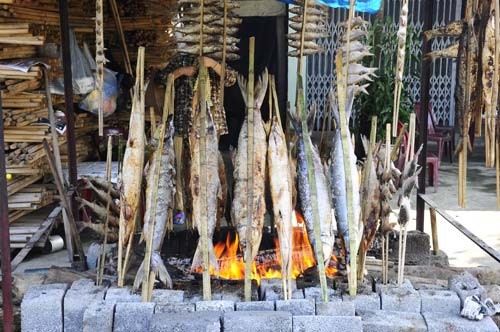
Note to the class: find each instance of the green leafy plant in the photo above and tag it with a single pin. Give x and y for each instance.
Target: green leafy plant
(380, 98)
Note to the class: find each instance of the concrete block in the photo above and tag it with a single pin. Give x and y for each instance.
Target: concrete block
(255, 306)
(272, 289)
(133, 316)
(76, 301)
(392, 321)
(298, 294)
(327, 324)
(444, 301)
(121, 295)
(335, 308)
(217, 305)
(394, 298)
(173, 308)
(465, 285)
(167, 296)
(296, 307)
(367, 301)
(184, 322)
(437, 322)
(82, 284)
(261, 321)
(99, 317)
(418, 249)
(314, 293)
(42, 308)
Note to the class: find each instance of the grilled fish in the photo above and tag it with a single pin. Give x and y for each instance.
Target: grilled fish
(239, 210)
(449, 52)
(307, 45)
(222, 198)
(195, 49)
(309, 18)
(213, 186)
(327, 221)
(454, 29)
(296, 53)
(309, 27)
(280, 180)
(163, 205)
(356, 34)
(229, 56)
(308, 35)
(310, 10)
(207, 29)
(356, 22)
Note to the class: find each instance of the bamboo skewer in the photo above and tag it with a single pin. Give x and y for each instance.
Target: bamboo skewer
(99, 60)
(250, 168)
(123, 44)
(224, 53)
(102, 257)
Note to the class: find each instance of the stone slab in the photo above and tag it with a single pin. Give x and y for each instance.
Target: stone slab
(172, 308)
(327, 324)
(364, 301)
(133, 316)
(315, 293)
(335, 308)
(99, 317)
(261, 321)
(217, 305)
(465, 285)
(81, 284)
(76, 301)
(437, 322)
(42, 308)
(392, 321)
(296, 307)
(167, 296)
(404, 298)
(444, 301)
(121, 295)
(184, 322)
(255, 306)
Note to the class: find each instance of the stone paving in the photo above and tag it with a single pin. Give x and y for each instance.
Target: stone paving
(85, 307)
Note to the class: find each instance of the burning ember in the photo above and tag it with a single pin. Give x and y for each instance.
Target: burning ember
(267, 264)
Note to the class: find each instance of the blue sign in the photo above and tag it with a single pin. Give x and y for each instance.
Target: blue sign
(365, 6)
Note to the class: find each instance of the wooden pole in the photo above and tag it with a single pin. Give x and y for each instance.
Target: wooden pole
(99, 60)
(102, 259)
(498, 171)
(250, 168)
(123, 43)
(224, 52)
(434, 231)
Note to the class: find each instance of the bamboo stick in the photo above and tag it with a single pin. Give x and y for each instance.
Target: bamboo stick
(123, 43)
(490, 138)
(434, 231)
(99, 60)
(102, 257)
(399, 140)
(224, 52)
(250, 168)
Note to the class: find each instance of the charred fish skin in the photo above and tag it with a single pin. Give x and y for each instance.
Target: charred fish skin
(327, 221)
(239, 208)
(280, 180)
(163, 205)
(213, 187)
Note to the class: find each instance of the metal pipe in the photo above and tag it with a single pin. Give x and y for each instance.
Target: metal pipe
(424, 110)
(8, 318)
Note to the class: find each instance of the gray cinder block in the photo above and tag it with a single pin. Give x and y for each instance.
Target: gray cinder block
(76, 301)
(133, 316)
(296, 307)
(368, 301)
(121, 295)
(404, 298)
(465, 285)
(261, 321)
(99, 317)
(255, 306)
(438, 322)
(42, 308)
(327, 324)
(218, 305)
(183, 322)
(315, 293)
(335, 308)
(444, 301)
(174, 308)
(392, 321)
(167, 296)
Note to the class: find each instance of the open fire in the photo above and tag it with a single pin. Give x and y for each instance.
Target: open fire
(267, 264)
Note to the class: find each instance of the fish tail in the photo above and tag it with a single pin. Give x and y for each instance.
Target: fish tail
(160, 270)
(198, 258)
(139, 277)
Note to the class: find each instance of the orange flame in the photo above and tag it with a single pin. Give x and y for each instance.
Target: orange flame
(267, 264)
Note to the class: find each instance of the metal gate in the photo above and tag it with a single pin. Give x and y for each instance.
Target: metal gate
(320, 67)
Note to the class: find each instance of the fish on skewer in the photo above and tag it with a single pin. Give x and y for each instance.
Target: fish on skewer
(454, 29)
(195, 49)
(327, 220)
(308, 36)
(164, 203)
(298, 10)
(222, 198)
(213, 186)
(309, 26)
(449, 52)
(280, 180)
(239, 208)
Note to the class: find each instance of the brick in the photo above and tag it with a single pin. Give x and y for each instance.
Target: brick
(133, 316)
(392, 321)
(315, 293)
(327, 324)
(296, 307)
(444, 301)
(255, 306)
(261, 321)
(42, 308)
(76, 301)
(172, 308)
(121, 295)
(465, 285)
(404, 298)
(335, 308)
(362, 302)
(184, 322)
(167, 296)
(99, 317)
(217, 305)
(437, 322)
